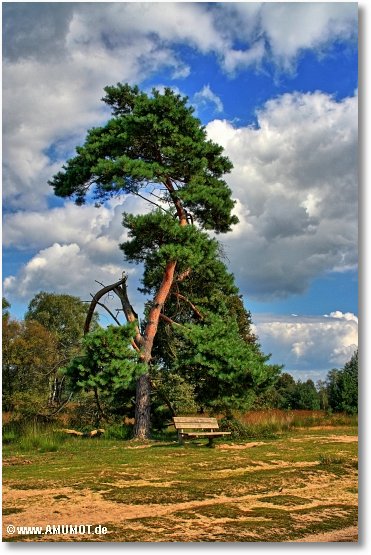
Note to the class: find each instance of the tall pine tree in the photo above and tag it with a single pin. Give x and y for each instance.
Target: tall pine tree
(155, 148)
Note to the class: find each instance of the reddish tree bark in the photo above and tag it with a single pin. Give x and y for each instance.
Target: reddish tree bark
(142, 425)
(144, 343)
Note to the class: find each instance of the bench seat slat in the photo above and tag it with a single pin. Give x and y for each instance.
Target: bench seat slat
(204, 434)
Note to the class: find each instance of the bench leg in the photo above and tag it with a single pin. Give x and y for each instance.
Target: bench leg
(180, 438)
(211, 442)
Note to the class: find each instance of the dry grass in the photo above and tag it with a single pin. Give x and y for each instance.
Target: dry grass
(301, 487)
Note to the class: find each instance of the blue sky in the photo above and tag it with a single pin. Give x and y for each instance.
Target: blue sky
(276, 84)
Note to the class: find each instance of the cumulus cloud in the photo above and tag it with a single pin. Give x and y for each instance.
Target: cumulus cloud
(50, 101)
(281, 31)
(309, 346)
(295, 181)
(292, 27)
(62, 268)
(75, 247)
(206, 96)
(58, 57)
(74, 270)
(294, 178)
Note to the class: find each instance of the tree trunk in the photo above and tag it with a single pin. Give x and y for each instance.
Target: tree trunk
(142, 425)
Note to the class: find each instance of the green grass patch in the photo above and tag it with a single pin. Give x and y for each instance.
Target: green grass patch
(11, 510)
(329, 460)
(227, 486)
(284, 500)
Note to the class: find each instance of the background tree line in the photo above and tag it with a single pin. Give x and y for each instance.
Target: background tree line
(337, 393)
(47, 364)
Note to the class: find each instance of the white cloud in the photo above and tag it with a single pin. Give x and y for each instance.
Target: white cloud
(58, 57)
(206, 96)
(239, 59)
(75, 246)
(72, 270)
(348, 316)
(295, 179)
(70, 223)
(50, 101)
(309, 346)
(295, 189)
(293, 27)
(280, 31)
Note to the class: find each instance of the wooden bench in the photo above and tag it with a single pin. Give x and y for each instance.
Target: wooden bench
(189, 427)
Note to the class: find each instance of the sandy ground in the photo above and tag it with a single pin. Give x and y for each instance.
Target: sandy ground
(69, 506)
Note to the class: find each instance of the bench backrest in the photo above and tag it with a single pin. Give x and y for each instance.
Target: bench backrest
(195, 423)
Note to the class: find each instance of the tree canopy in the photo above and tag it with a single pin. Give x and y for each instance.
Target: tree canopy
(152, 140)
(29, 362)
(63, 314)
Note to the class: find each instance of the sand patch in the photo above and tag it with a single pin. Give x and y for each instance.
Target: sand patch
(240, 446)
(346, 535)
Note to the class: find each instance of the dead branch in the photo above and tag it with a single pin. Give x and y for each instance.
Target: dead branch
(119, 288)
(194, 308)
(95, 301)
(109, 312)
(130, 314)
(76, 433)
(169, 320)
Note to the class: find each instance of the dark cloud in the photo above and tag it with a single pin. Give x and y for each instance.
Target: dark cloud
(35, 30)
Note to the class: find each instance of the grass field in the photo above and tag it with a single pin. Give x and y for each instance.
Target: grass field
(299, 487)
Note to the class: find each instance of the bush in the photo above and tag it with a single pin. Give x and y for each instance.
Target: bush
(85, 415)
(119, 431)
(33, 437)
(242, 431)
(9, 436)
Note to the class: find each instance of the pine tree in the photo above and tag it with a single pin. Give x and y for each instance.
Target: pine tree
(153, 147)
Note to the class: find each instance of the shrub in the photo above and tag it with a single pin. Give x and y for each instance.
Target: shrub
(9, 436)
(330, 459)
(119, 431)
(240, 430)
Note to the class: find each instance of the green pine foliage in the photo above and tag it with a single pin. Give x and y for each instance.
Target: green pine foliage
(156, 238)
(226, 371)
(108, 363)
(151, 139)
